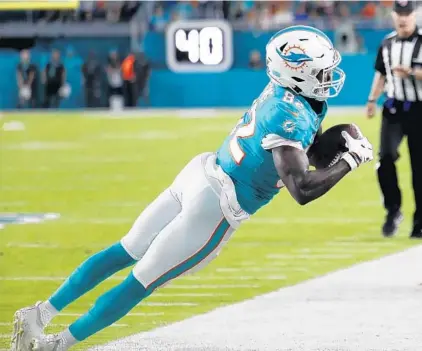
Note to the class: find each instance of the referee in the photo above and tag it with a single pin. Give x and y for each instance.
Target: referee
(399, 74)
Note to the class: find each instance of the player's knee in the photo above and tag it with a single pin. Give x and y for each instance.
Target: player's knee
(133, 246)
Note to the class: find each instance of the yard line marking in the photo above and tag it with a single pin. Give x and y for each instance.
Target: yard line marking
(214, 287)
(146, 135)
(358, 243)
(311, 220)
(223, 277)
(12, 203)
(338, 249)
(248, 263)
(164, 294)
(308, 256)
(39, 279)
(42, 145)
(169, 304)
(247, 269)
(174, 286)
(140, 204)
(32, 245)
(116, 325)
(109, 159)
(134, 314)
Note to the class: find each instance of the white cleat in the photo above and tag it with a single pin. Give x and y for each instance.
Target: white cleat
(26, 326)
(46, 343)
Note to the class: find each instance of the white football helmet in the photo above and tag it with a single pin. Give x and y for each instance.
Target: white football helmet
(303, 58)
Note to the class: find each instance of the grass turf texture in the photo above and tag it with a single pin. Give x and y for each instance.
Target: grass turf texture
(99, 173)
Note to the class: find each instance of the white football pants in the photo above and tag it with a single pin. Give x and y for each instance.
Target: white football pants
(184, 228)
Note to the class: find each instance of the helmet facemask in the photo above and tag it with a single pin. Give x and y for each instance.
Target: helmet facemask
(328, 82)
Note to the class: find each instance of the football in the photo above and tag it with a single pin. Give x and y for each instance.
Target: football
(330, 145)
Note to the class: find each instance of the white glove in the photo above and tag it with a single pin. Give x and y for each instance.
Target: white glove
(359, 151)
(25, 92)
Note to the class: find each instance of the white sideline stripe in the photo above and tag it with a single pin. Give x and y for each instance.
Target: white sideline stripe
(374, 306)
(5, 336)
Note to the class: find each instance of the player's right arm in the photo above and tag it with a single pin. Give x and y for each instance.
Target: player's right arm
(304, 185)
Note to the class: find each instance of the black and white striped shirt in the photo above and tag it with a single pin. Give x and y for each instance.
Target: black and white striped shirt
(395, 51)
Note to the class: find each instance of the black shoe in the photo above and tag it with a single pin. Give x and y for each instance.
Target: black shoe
(392, 221)
(417, 231)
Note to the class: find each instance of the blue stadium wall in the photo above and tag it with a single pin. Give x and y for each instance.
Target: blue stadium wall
(235, 88)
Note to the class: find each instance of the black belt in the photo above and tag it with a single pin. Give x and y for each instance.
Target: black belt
(406, 105)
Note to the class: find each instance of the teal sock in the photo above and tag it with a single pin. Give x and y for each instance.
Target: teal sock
(90, 273)
(109, 308)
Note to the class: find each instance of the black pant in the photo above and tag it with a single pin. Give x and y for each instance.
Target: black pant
(92, 95)
(398, 120)
(52, 97)
(130, 93)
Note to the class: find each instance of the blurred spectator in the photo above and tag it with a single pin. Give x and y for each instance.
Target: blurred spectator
(143, 72)
(282, 13)
(301, 13)
(86, 9)
(129, 80)
(113, 10)
(114, 81)
(26, 75)
(91, 71)
(255, 61)
(369, 11)
(346, 40)
(158, 19)
(54, 77)
(185, 9)
(128, 10)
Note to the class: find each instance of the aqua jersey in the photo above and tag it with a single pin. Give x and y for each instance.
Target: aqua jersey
(278, 117)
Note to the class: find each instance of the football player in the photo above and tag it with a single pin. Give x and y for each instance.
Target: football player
(185, 227)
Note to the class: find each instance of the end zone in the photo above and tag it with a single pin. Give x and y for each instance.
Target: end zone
(375, 305)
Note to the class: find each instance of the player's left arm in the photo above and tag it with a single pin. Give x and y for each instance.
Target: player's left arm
(303, 184)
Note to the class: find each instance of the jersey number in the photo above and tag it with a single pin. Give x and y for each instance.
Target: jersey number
(241, 132)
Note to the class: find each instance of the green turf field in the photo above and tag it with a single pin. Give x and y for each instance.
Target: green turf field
(99, 173)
